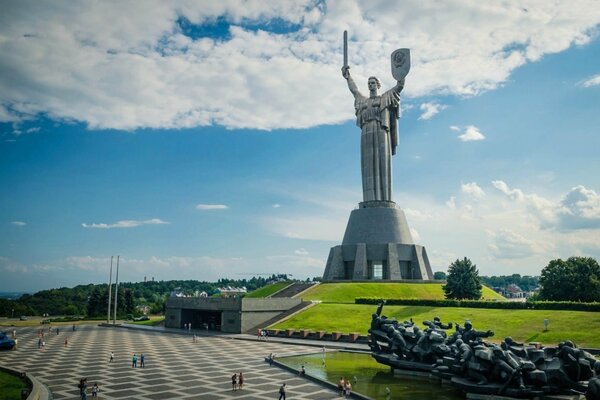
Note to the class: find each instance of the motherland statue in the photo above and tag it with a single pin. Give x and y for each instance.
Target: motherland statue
(377, 243)
(377, 115)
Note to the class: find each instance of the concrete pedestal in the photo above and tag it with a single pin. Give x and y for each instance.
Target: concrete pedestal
(377, 245)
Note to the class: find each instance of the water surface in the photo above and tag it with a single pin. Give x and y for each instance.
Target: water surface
(370, 378)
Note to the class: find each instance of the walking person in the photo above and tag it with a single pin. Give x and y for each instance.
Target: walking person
(282, 392)
(233, 382)
(340, 385)
(241, 381)
(39, 343)
(142, 360)
(82, 388)
(348, 388)
(66, 341)
(95, 390)
(57, 330)
(112, 357)
(134, 361)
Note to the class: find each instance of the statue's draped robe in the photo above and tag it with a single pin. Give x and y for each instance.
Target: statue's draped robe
(377, 118)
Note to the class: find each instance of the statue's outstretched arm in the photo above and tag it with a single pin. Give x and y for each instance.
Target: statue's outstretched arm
(399, 86)
(351, 85)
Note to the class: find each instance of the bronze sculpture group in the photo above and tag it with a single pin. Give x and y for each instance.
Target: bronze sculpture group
(474, 365)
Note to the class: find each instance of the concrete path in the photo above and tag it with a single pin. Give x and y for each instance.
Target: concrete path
(176, 368)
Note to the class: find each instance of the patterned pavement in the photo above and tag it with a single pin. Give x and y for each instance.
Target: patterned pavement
(176, 368)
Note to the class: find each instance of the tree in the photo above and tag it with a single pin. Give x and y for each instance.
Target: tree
(576, 279)
(439, 276)
(128, 302)
(462, 281)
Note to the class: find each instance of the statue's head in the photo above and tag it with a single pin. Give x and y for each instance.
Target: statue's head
(468, 325)
(569, 343)
(508, 339)
(436, 319)
(374, 83)
(459, 342)
(374, 316)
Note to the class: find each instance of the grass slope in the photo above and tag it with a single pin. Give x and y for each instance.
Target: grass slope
(522, 325)
(347, 292)
(268, 290)
(10, 386)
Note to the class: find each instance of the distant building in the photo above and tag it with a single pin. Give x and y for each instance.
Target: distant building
(231, 291)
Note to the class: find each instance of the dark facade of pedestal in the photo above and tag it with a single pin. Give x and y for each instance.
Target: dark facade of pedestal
(377, 245)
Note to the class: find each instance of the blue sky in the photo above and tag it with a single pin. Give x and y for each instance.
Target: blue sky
(217, 139)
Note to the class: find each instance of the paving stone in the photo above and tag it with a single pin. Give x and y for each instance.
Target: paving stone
(176, 368)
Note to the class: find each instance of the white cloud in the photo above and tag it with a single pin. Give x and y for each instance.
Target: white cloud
(509, 244)
(276, 205)
(128, 223)
(579, 209)
(431, 109)
(211, 207)
(593, 81)
(18, 223)
(417, 214)
(472, 189)
(301, 252)
(451, 203)
(470, 134)
(415, 235)
(129, 66)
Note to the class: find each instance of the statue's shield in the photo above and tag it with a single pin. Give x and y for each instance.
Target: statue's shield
(400, 63)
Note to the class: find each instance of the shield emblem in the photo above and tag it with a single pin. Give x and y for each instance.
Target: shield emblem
(400, 63)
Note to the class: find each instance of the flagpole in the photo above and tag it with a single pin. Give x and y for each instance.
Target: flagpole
(116, 292)
(109, 290)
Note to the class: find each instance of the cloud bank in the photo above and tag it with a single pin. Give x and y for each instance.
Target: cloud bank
(128, 223)
(123, 65)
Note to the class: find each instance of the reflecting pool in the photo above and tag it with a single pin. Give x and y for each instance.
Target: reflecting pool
(370, 378)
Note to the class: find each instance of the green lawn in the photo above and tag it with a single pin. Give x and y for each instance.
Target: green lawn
(347, 292)
(154, 320)
(10, 386)
(523, 325)
(268, 290)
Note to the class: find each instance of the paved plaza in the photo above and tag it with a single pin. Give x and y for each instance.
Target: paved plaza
(176, 368)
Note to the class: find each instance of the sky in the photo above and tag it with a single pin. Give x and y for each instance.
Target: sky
(205, 140)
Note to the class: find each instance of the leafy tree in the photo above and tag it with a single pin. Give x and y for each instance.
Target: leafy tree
(71, 309)
(439, 276)
(462, 281)
(128, 301)
(576, 279)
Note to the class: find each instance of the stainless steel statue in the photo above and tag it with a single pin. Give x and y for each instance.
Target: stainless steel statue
(377, 116)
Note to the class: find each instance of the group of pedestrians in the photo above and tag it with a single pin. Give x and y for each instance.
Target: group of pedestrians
(237, 381)
(345, 386)
(262, 334)
(134, 360)
(83, 389)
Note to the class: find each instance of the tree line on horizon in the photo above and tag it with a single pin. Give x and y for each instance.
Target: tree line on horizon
(576, 279)
(92, 300)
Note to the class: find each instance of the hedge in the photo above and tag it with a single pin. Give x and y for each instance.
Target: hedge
(510, 305)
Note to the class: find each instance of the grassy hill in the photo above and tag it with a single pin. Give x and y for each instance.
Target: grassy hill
(347, 292)
(268, 290)
(522, 325)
